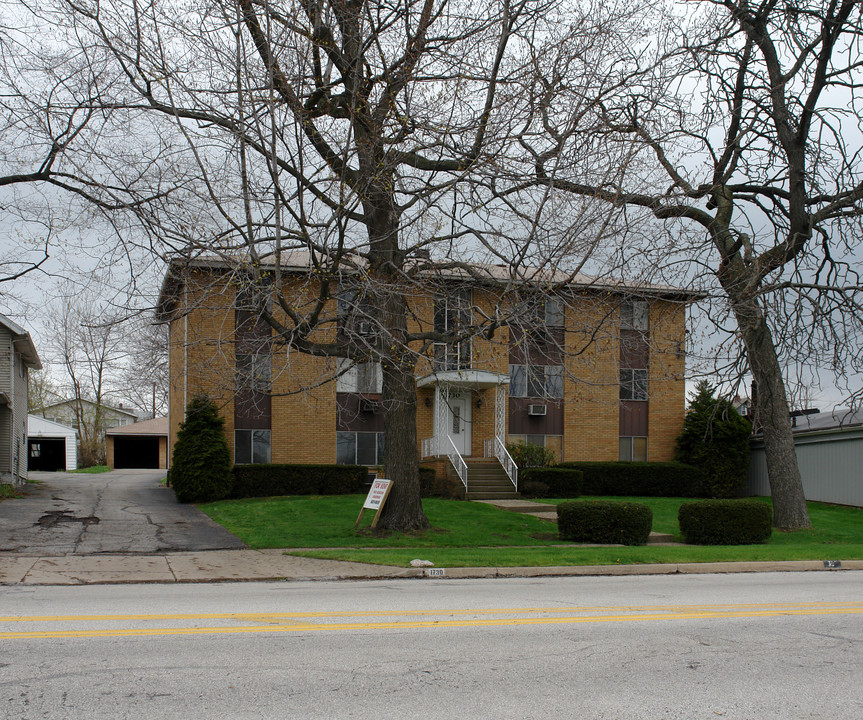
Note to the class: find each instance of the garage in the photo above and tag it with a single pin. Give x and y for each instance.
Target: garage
(141, 445)
(51, 446)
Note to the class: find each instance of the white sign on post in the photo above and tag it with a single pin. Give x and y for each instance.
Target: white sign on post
(375, 499)
(377, 494)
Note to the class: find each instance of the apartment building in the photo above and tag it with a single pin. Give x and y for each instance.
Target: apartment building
(592, 371)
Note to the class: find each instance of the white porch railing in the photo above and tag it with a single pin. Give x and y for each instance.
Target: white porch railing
(457, 461)
(495, 447)
(431, 447)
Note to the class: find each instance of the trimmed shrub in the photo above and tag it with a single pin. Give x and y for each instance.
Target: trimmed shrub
(201, 467)
(715, 438)
(534, 489)
(273, 480)
(604, 521)
(644, 479)
(725, 522)
(429, 485)
(562, 482)
(528, 455)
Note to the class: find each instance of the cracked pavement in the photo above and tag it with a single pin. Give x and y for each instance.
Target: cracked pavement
(123, 511)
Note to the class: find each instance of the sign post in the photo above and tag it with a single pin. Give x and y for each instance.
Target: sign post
(376, 498)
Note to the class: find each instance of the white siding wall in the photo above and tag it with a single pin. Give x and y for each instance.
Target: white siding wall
(6, 429)
(19, 443)
(831, 465)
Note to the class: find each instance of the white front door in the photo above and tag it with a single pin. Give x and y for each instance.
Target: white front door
(459, 417)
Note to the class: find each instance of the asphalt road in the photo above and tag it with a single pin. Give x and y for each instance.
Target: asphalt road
(779, 645)
(123, 511)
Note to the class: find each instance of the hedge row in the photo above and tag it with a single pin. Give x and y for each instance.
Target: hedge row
(725, 522)
(604, 521)
(655, 479)
(271, 480)
(557, 481)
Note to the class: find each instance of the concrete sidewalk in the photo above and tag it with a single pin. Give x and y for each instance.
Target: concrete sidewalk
(257, 565)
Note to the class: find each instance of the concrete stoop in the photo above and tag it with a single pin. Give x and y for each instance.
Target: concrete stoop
(486, 480)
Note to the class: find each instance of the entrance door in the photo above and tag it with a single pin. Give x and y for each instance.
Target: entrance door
(460, 420)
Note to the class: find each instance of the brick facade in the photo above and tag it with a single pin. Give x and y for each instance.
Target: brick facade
(304, 413)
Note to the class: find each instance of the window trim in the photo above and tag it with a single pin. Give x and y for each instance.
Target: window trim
(456, 355)
(348, 378)
(635, 387)
(631, 443)
(252, 432)
(379, 447)
(533, 375)
(635, 315)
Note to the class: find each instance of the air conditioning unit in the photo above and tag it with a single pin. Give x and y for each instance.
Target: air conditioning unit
(536, 409)
(365, 328)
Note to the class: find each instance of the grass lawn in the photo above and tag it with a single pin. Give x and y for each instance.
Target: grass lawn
(95, 469)
(474, 534)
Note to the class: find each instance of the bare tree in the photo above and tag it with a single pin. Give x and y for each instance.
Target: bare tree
(142, 379)
(85, 343)
(364, 135)
(738, 127)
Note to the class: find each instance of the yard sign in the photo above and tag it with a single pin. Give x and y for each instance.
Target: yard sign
(376, 498)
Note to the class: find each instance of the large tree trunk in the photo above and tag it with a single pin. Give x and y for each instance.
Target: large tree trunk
(771, 408)
(403, 511)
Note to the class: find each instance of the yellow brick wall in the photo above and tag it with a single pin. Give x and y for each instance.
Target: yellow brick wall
(303, 402)
(666, 378)
(591, 379)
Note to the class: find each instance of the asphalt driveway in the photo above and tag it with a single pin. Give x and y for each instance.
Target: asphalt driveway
(123, 511)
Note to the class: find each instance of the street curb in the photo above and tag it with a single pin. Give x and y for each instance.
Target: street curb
(274, 566)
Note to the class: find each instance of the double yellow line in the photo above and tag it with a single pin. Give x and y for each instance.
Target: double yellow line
(304, 622)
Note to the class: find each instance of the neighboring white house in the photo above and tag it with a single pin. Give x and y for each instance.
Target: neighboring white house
(66, 413)
(830, 456)
(17, 356)
(50, 445)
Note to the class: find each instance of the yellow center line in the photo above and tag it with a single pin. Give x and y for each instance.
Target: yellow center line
(419, 624)
(421, 613)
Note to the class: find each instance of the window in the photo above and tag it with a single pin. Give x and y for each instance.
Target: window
(254, 372)
(635, 315)
(541, 381)
(633, 384)
(452, 315)
(255, 294)
(365, 378)
(633, 449)
(359, 448)
(553, 312)
(251, 446)
(354, 311)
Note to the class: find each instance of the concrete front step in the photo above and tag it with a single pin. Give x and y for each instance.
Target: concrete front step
(480, 495)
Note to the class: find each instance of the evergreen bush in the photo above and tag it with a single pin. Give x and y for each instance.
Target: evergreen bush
(640, 479)
(275, 480)
(561, 482)
(725, 522)
(528, 455)
(201, 467)
(715, 438)
(604, 521)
